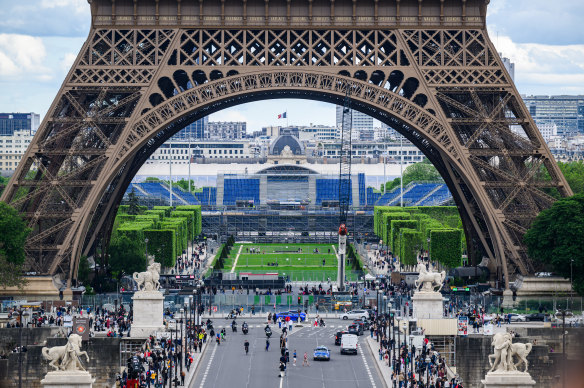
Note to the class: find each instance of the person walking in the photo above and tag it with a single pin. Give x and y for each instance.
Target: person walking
(279, 322)
(282, 369)
(267, 344)
(294, 357)
(305, 362)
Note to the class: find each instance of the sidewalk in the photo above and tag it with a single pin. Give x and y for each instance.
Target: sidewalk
(384, 370)
(196, 362)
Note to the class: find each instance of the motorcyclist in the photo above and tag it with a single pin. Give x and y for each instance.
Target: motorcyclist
(244, 327)
(268, 331)
(321, 323)
(246, 346)
(234, 326)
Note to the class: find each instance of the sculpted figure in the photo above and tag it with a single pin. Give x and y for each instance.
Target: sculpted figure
(66, 357)
(428, 281)
(505, 350)
(148, 280)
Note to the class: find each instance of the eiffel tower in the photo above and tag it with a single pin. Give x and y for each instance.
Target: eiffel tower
(149, 67)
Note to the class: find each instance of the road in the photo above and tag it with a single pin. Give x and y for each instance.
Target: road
(227, 365)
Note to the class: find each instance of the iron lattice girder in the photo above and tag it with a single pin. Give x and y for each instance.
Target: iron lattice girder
(131, 89)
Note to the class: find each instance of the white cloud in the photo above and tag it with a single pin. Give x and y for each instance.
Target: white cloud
(545, 69)
(78, 6)
(228, 115)
(22, 55)
(68, 61)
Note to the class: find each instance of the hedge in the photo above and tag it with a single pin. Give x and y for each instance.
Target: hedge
(167, 209)
(439, 212)
(396, 226)
(153, 218)
(122, 218)
(446, 246)
(162, 245)
(386, 224)
(426, 227)
(452, 221)
(159, 212)
(190, 217)
(377, 212)
(420, 217)
(410, 242)
(198, 216)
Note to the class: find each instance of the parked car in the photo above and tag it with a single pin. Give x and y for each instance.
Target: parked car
(292, 314)
(339, 335)
(355, 329)
(322, 353)
(355, 314)
(535, 317)
(517, 318)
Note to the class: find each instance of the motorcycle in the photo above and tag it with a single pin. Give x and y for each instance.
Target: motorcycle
(244, 328)
(234, 327)
(268, 332)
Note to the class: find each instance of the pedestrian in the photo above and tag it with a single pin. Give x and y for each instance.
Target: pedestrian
(290, 325)
(305, 362)
(279, 322)
(182, 378)
(294, 357)
(267, 344)
(282, 369)
(315, 322)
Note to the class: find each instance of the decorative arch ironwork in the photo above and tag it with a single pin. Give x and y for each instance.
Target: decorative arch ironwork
(146, 71)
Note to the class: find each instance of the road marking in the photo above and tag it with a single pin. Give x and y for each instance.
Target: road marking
(236, 259)
(367, 366)
(208, 366)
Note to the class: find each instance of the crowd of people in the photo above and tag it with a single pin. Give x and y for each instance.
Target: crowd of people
(410, 367)
(188, 265)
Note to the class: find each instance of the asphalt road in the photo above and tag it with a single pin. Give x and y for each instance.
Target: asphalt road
(227, 365)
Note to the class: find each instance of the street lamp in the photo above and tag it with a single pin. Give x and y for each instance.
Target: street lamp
(571, 284)
(146, 241)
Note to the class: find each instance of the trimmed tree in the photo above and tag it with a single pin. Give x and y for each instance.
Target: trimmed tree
(446, 246)
(396, 226)
(410, 244)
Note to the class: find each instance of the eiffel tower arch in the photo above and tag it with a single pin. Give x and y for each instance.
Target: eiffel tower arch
(150, 67)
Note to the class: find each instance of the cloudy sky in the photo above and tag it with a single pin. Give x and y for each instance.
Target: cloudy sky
(39, 40)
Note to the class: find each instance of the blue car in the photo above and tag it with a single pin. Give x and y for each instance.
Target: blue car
(292, 314)
(322, 353)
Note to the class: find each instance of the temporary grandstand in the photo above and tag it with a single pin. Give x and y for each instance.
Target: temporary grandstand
(287, 203)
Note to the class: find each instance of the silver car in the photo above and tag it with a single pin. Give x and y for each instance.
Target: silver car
(355, 314)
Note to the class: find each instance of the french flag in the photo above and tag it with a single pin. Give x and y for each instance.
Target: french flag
(282, 115)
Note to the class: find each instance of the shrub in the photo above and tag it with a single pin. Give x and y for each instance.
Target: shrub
(446, 247)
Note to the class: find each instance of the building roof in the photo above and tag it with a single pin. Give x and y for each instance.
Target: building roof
(284, 140)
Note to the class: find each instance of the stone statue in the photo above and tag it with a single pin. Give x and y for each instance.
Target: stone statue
(66, 357)
(429, 280)
(287, 152)
(148, 281)
(505, 350)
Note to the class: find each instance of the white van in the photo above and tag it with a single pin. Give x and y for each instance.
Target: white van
(349, 343)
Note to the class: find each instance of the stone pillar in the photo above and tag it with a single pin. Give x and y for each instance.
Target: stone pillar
(504, 379)
(427, 305)
(68, 379)
(148, 313)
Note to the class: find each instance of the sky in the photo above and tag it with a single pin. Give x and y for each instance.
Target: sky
(40, 39)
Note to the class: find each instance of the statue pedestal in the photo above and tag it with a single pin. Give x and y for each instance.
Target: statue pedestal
(67, 379)
(427, 305)
(508, 299)
(148, 313)
(508, 380)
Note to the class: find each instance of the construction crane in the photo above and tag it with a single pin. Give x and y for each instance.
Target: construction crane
(344, 187)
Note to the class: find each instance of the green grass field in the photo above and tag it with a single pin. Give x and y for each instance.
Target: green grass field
(299, 261)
